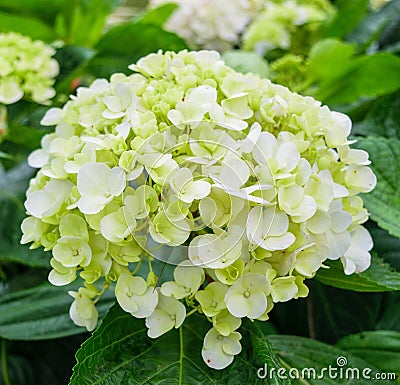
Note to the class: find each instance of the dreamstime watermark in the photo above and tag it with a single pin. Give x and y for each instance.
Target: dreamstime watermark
(338, 372)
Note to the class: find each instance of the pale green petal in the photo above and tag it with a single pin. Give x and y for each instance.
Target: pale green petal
(284, 289)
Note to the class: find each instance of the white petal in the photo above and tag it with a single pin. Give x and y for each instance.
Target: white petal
(116, 181)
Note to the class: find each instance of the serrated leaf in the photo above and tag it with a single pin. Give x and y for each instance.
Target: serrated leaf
(123, 353)
(383, 202)
(300, 353)
(243, 61)
(263, 354)
(381, 348)
(380, 276)
(41, 313)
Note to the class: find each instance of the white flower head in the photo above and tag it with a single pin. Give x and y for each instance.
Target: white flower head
(27, 69)
(251, 185)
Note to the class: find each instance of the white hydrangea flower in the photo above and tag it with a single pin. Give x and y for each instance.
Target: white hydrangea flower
(134, 296)
(214, 251)
(269, 229)
(219, 350)
(169, 313)
(247, 297)
(211, 298)
(98, 184)
(280, 21)
(186, 189)
(249, 200)
(226, 323)
(188, 279)
(83, 311)
(357, 257)
(210, 24)
(48, 201)
(26, 69)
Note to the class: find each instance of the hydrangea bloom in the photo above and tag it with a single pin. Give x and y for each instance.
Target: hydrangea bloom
(254, 186)
(211, 24)
(26, 69)
(277, 25)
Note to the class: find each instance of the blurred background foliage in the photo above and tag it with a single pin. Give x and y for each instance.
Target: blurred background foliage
(352, 65)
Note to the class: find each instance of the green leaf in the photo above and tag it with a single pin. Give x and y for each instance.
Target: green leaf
(26, 136)
(373, 75)
(263, 354)
(390, 317)
(85, 21)
(19, 371)
(333, 313)
(27, 26)
(374, 24)
(300, 353)
(386, 246)
(243, 61)
(380, 348)
(73, 60)
(41, 313)
(125, 44)
(23, 255)
(123, 353)
(158, 16)
(13, 183)
(41, 9)
(379, 277)
(383, 202)
(382, 118)
(329, 58)
(350, 13)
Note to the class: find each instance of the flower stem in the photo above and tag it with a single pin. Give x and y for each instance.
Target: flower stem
(180, 355)
(137, 266)
(4, 366)
(193, 311)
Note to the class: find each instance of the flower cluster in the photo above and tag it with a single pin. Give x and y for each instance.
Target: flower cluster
(285, 24)
(26, 68)
(252, 185)
(211, 24)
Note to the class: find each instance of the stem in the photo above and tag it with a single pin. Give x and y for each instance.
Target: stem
(180, 355)
(137, 266)
(100, 293)
(149, 263)
(193, 311)
(310, 316)
(4, 366)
